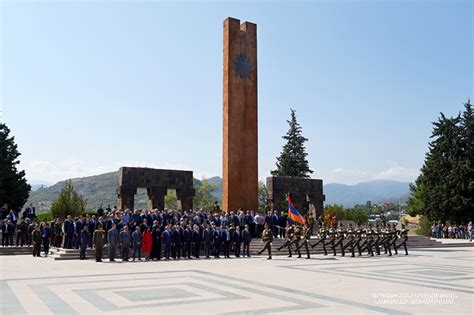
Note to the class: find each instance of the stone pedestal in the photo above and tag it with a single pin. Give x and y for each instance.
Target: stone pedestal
(303, 191)
(156, 198)
(126, 197)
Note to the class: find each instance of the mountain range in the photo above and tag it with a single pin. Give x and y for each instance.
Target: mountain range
(100, 190)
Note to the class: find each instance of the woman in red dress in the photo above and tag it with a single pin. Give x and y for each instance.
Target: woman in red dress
(146, 243)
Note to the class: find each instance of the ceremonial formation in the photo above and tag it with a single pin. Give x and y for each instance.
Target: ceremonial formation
(298, 234)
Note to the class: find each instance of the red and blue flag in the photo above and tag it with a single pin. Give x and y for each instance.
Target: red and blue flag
(294, 214)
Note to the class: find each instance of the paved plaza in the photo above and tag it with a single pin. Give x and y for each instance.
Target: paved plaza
(428, 281)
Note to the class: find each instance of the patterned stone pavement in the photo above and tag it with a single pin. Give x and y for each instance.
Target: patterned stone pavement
(430, 281)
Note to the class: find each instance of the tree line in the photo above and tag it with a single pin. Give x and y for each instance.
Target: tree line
(444, 190)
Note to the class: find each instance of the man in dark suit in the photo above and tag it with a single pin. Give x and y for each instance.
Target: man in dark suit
(174, 242)
(125, 240)
(167, 241)
(275, 223)
(46, 236)
(77, 232)
(206, 239)
(85, 239)
(196, 239)
(68, 227)
(246, 239)
(226, 239)
(237, 239)
(282, 224)
(7, 229)
(113, 241)
(187, 235)
(216, 241)
(21, 233)
(156, 241)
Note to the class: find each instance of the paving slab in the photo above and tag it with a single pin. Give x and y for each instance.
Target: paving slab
(428, 281)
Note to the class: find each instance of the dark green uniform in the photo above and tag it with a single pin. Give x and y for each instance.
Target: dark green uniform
(404, 237)
(289, 233)
(36, 239)
(98, 240)
(267, 237)
(296, 240)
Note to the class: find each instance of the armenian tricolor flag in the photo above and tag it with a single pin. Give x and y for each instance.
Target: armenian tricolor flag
(294, 214)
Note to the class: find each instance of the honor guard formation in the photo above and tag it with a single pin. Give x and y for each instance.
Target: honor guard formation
(370, 240)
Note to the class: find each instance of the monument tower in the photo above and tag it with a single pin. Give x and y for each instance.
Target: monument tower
(240, 147)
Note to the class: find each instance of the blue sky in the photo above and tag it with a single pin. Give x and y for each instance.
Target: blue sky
(87, 87)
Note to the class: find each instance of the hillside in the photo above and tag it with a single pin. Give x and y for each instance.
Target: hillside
(100, 190)
(375, 191)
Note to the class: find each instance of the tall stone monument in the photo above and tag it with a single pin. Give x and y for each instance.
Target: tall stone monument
(240, 147)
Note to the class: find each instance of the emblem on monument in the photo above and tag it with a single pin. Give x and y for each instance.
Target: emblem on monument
(243, 66)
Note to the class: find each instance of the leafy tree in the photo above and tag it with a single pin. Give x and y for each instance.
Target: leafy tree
(292, 160)
(171, 202)
(465, 174)
(415, 205)
(425, 226)
(262, 196)
(444, 190)
(357, 215)
(336, 211)
(203, 198)
(69, 202)
(14, 190)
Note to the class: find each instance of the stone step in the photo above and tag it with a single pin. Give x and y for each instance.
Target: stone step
(255, 246)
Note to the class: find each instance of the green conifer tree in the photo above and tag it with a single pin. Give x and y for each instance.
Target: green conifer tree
(292, 160)
(14, 190)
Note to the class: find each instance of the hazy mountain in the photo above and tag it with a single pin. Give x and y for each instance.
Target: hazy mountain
(375, 191)
(100, 190)
(37, 186)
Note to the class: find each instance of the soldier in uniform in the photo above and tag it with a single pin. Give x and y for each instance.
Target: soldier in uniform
(98, 241)
(386, 238)
(306, 235)
(289, 233)
(331, 237)
(267, 237)
(296, 239)
(404, 236)
(339, 240)
(359, 237)
(376, 244)
(36, 239)
(394, 238)
(352, 240)
(322, 233)
(370, 240)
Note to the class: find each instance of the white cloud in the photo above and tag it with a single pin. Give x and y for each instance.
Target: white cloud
(394, 171)
(397, 172)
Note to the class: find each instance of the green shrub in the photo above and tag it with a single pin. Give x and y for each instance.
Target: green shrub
(425, 226)
(69, 202)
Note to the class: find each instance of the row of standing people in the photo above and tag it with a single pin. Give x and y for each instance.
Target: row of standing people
(171, 241)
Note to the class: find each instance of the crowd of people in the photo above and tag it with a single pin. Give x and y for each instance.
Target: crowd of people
(461, 231)
(148, 234)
